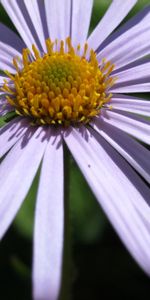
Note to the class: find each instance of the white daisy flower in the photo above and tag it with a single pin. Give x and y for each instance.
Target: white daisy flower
(71, 88)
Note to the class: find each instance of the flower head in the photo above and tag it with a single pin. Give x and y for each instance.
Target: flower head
(69, 86)
(60, 87)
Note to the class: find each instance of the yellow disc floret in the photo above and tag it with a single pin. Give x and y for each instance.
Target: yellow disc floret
(60, 86)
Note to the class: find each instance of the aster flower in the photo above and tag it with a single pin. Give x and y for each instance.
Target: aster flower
(70, 88)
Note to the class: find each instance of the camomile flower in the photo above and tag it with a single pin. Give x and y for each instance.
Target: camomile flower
(70, 88)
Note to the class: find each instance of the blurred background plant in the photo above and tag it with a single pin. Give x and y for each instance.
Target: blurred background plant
(102, 266)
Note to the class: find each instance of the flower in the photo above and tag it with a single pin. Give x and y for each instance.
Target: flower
(101, 126)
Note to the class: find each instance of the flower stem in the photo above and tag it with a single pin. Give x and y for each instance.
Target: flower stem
(67, 261)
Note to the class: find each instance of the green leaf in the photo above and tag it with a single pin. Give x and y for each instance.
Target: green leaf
(6, 118)
(19, 266)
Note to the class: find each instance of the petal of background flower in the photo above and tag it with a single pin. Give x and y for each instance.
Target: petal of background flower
(11, 133)
(21, 20)
(137, 155)
(131, 104)
(17, 173)
(131, 42)
(129, 123)
(81, 16)
(116, 12)
(114, 191)
(48, 231)
(58, 17)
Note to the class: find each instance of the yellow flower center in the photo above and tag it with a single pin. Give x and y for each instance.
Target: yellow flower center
(60, 86)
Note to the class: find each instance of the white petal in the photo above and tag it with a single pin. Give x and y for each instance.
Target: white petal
(130, 42)
(131, 124)
(141, 19)
(133, 75)
(11, 39)
(113, 190)
(5, 107)
(49, 219)
(137, 155)
(7, 53)
(6, 64)
(16, 175)
(17, 16)
(33, 11)
(58, 17)
(2, 79)
(11, 133)
(81, 15)
(132, 88)
(6, 110)
(116, 12)
(42, 13)
(131, 104)
(134, 79)
(141, 204)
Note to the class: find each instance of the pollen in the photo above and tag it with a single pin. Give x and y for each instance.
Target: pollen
(64, 86)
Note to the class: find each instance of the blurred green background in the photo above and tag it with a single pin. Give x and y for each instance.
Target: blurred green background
(103, 269)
